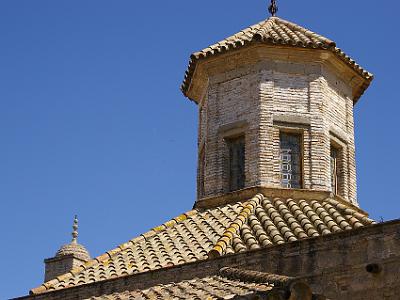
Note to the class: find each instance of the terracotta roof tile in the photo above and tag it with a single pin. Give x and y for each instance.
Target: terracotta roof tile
(274, 31)
(226, 285)
(263, 222)
(230, 283)
(198, 235)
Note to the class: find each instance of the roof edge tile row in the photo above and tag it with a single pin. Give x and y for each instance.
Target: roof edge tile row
(260, 222)
(274, 31)
(109, 254)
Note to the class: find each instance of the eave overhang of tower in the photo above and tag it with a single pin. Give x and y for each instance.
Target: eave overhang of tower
(202, 67)
(277, 34)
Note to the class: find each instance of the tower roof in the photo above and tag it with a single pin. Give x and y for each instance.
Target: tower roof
(274, 31)
(74, 248)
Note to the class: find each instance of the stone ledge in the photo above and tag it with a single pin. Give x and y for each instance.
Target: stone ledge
(293, 119)
(248, 193)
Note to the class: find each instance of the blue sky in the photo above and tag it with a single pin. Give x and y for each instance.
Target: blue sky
(92, 121)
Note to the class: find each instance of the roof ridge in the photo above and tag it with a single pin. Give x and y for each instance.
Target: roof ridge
(109, 254)
(225, 240)
(348, 215)
(305, 30)
(230, 40)
(291, 287)
(256, 277)
(265, 27)
(349, 211)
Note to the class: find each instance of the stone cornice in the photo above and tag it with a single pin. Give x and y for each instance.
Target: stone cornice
(267, 56)
(283, 194)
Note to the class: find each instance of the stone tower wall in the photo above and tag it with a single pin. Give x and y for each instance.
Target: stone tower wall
(262, 99)
(224, 115)
(58, 266)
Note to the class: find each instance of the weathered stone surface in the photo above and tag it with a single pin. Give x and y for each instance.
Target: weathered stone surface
(261, 99)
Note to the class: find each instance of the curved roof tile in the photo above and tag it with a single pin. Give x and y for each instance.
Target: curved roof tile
(257, 223)
(274, 31)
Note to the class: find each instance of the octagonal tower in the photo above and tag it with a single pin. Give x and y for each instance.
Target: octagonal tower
(275, 111)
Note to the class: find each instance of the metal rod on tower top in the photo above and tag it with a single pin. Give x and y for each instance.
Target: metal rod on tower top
(273, 8)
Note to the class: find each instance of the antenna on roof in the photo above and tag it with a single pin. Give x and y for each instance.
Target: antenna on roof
(273, 8)
(75, 232)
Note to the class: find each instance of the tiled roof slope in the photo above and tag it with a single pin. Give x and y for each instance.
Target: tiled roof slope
(232, 228)
(274, 31)
(228, 284)
(213, 287)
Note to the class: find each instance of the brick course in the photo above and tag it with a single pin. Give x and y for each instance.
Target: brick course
(269, 96)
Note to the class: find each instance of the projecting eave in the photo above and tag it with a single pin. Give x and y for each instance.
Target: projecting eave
(278, 34)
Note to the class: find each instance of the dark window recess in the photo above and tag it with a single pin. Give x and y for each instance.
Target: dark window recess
(335, 170)
(291, 160)
(236, 163)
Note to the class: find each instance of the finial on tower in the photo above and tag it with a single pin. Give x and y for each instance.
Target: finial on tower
(75, 232)
(273, 8)
(69, 256)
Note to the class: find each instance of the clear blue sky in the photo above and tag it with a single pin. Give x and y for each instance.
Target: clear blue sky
(92, 121)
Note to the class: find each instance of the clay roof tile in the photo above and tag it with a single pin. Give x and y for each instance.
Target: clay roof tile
(274, 31)
(257, 223)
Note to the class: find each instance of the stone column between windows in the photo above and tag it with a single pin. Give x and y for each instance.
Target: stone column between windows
(307, 179)
(201, 146)
(267, 139)
(320, 141)
(351, 152)
(252, 132)
(211, 145)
